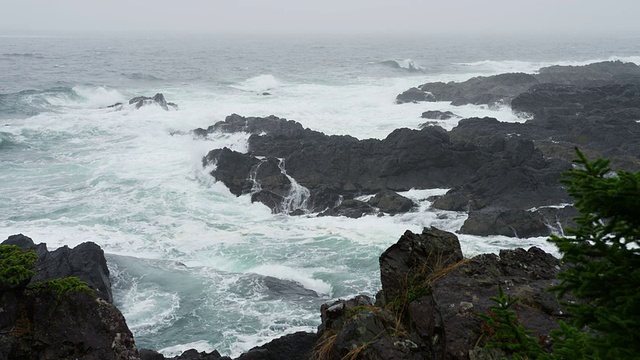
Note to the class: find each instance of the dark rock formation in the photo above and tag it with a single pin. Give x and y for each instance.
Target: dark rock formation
(285, 288)
(117, 106)
(414, 95)
(507, 222)
(193, 354)
(545, 101)
(504, 87)
(481, 90)
(86, 262)
(334, 166)
(468, 289)
(350, 208)
(498, 169)
(157, 99)
(37, 323)
(148, 354)
(297, 346)
(430, 250)
(596, 74)
(430, 300)
(438, 115)
(391, 202)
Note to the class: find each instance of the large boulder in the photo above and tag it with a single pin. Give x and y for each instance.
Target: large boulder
(86, 262)
(157, 99)
(391, 202)
(53, 322)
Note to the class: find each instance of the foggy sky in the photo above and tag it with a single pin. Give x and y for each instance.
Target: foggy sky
(325, 16)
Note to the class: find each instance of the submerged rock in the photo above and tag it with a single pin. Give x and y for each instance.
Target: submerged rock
(438, 115)
(140, 101)
(157, 99)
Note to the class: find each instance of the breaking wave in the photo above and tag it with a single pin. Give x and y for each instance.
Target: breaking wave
(32, 102)
(260, 83)
(406, 65)
(505, 66)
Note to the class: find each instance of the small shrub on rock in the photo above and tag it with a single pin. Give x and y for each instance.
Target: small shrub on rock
(62, 287)
(15, 266)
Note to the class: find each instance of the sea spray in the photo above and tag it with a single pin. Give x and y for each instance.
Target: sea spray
(298, 195)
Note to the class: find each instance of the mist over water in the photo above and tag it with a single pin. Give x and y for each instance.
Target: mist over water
(191, 264)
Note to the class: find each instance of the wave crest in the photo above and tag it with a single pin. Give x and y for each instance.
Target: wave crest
(405, 64)
(32, 102)
(260, 83)
(25, 55)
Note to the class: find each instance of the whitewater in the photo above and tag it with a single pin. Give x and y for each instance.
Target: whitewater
(193, 266)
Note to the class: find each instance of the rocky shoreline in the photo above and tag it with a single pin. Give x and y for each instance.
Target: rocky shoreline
(506, 175)
(427, 308)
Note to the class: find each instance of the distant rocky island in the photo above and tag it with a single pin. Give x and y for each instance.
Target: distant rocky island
(506, 175)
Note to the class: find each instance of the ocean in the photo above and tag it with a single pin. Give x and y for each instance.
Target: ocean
(193, 266)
